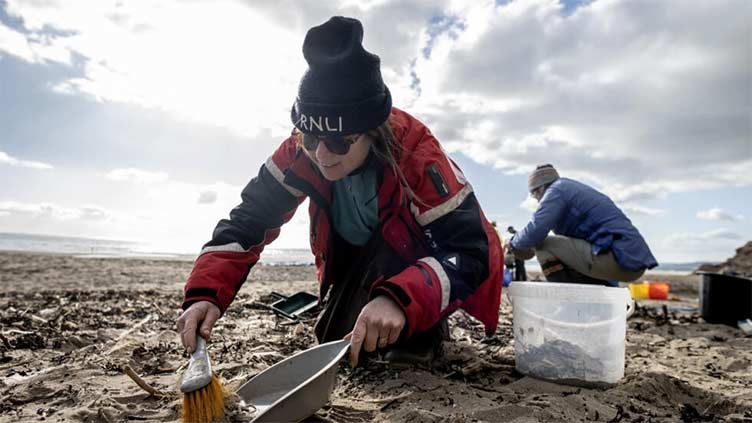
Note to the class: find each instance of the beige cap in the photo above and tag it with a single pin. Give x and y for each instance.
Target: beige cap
(542, 175)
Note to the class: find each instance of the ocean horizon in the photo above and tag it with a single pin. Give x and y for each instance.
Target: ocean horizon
(109, 248)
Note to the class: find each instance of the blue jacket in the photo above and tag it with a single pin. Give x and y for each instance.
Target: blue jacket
(576, 210)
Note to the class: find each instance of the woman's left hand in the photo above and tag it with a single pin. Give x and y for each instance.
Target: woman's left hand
(379, 324)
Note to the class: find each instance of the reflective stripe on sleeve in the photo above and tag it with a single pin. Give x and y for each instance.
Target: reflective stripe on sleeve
(444, 208)
(280, 177)
(446, 288)
(232, 247)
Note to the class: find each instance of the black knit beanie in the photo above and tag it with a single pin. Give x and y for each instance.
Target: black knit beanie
(342, 92)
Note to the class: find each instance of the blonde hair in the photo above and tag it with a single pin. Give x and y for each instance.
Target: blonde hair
(386, 148)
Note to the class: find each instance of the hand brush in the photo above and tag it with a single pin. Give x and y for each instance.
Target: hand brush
(203, 395)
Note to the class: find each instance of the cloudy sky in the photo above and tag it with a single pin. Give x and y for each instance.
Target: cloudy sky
(143, 120)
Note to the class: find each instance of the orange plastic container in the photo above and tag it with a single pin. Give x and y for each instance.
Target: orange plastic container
(649, 290)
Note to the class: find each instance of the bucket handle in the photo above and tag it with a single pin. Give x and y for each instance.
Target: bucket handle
(630, 308)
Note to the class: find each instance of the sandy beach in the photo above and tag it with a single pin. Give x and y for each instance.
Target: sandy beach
(69, 326)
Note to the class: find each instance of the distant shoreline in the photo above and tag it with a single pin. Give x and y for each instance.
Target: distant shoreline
(116, 249)
(262, 262)
(111, 248)
(145, 257)
(153, 256)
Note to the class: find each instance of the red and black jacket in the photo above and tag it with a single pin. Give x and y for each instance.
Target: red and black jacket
(456, 253)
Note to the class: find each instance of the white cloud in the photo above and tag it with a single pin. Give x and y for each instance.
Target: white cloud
(93, 212)
(8, 159)
(638, 99)
(644, 211)
(207, 197)
(715, 245)
(138, 176)
(530, 204)
(54, 211)
(700, 239)
(652, 105)
(219, 63)
(607, 102)
(38, 48)
(15, 43)
(177, 222)
(717, 213)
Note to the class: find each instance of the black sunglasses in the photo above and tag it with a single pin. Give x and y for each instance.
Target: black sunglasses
(335, 144)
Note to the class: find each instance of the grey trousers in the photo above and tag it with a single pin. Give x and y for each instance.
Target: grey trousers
(577, 254)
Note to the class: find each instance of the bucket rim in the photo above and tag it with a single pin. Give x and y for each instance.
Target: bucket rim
(570, 292)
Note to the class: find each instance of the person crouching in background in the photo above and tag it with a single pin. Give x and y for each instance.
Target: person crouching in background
(594, 241)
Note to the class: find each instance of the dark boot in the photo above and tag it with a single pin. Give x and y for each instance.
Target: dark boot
(555, 271)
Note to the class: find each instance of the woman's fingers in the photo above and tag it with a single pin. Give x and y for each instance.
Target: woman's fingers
(372, 335)
(212, 314)
(394, 334)
(366, 335)
(187, 326)
(202, 312)
(356, 341)
(379, 324)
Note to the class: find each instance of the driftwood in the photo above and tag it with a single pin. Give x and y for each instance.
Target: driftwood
(128, 332)
(142, 383)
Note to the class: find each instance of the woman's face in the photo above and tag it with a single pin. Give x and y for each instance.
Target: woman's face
(336, 166)
(538, 193)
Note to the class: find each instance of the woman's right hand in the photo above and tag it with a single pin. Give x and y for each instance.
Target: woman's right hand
(202, 312)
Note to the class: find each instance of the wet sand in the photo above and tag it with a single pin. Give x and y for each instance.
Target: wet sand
(68, 327)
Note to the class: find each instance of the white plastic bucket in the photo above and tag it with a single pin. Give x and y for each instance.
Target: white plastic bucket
(570, 333)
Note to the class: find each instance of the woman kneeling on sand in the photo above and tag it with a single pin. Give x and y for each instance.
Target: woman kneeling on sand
(399, 238)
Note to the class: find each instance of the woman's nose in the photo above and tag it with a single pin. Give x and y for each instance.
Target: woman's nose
(322, 151)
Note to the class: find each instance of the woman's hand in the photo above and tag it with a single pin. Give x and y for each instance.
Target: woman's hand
(203, 312)
(379, 324)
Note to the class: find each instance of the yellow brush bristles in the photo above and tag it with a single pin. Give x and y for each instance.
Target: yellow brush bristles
(206, 404)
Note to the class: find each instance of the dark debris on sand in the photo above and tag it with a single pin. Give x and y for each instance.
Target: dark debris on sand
(62, 354)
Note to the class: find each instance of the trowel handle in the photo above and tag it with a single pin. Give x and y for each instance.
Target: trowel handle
(199, 371)
(200, 351)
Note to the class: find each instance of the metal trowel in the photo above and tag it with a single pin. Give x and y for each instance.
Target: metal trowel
(296, 387)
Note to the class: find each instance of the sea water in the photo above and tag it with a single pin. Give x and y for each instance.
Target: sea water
(104, 248)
